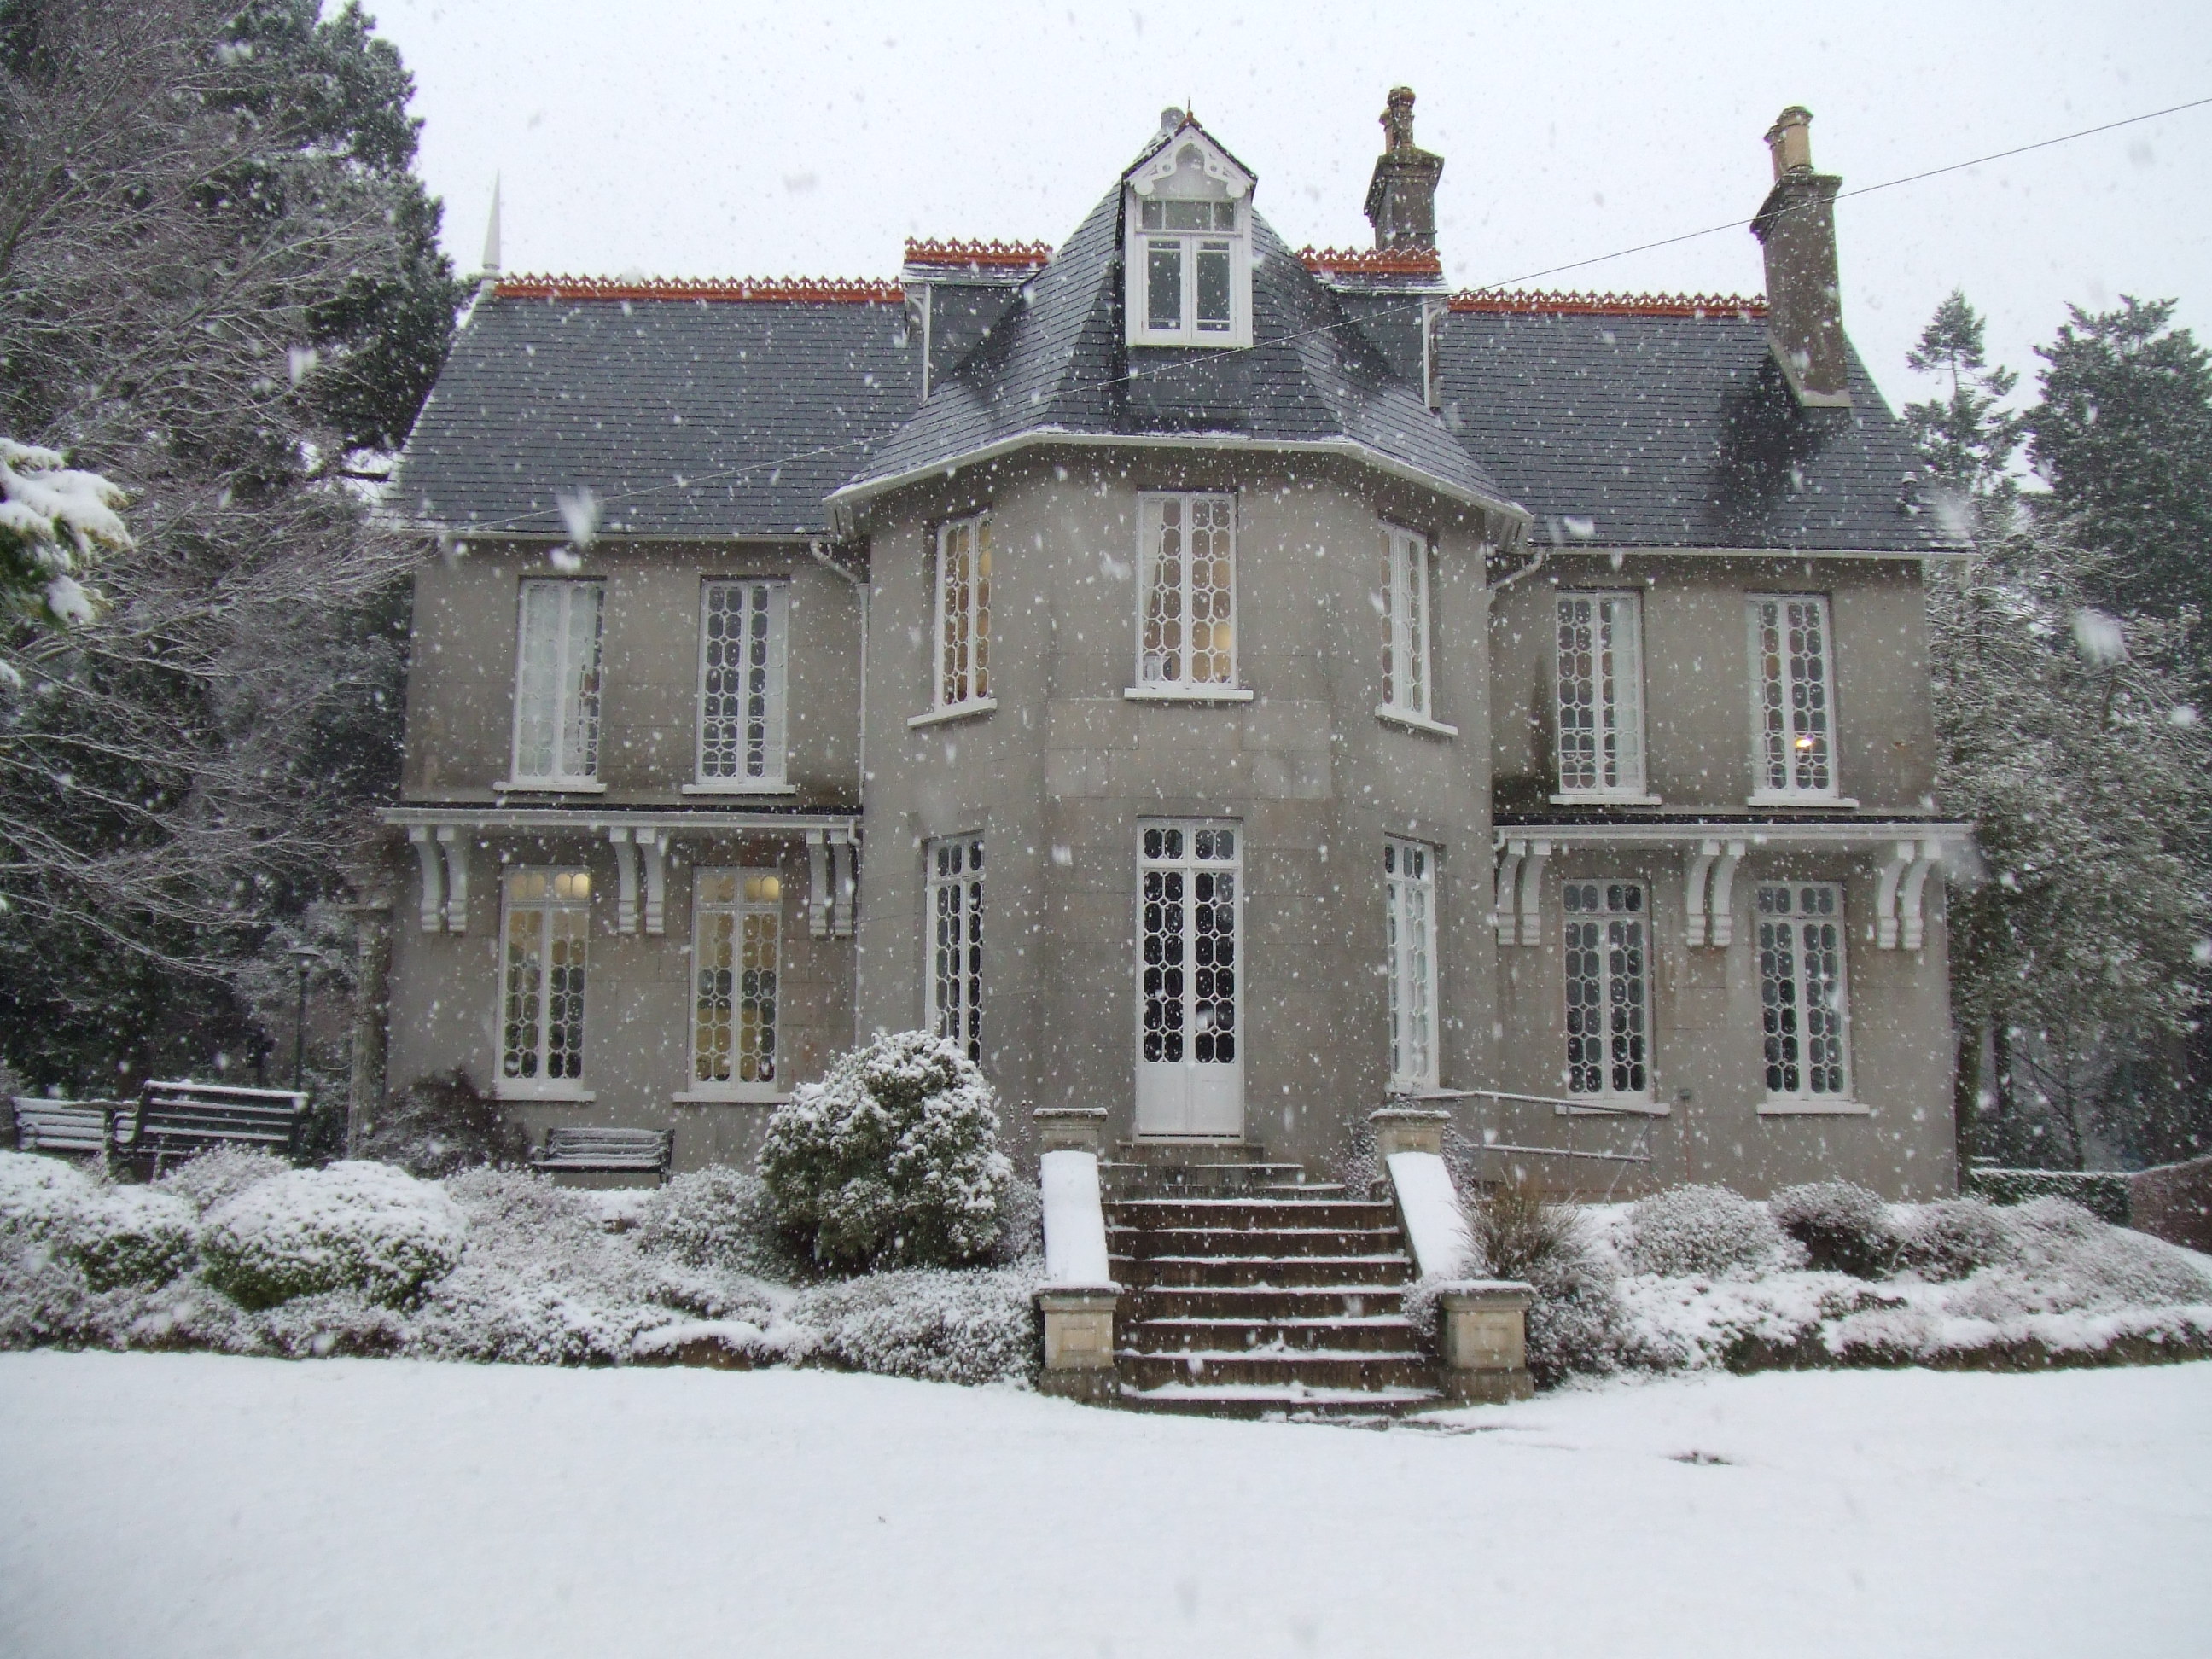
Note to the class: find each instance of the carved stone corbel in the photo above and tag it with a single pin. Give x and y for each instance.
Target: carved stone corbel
(453, 844)
(1916, 882)
(431, 912)
(625, 880)
(1884, 894)
(1504, 901)
(652, 850)
(1721, 910)
(1694, 893)
(1532, 891)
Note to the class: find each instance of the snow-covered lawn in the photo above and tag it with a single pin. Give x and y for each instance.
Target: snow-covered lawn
(165, 1504)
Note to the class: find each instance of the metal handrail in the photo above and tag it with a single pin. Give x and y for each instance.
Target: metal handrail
(1644, 1115)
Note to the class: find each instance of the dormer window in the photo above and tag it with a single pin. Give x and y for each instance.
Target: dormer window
(1189, 247)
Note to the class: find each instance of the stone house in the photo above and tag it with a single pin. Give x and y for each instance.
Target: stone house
(1225, 686)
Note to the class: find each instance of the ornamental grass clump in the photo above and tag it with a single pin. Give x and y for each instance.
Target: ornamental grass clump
(1844, 1229)
(364, 1227)
(892, 1160)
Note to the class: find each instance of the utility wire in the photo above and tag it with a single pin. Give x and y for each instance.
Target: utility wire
(497, 525)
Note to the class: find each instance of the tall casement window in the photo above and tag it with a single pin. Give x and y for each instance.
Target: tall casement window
(556, 683)
(1608, 1003)
(1187, 629)
(1405, 624)
(1189, 251)
(743, 627)
(1409, 889)
(964, 612)
(955, 941)
(1600, 679)
(736, 935)
(1801, 990)
(1793, 706)
(545, 931)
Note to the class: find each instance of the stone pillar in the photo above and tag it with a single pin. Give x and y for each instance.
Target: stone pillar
(1078, 1343)
(1482, 1335)
(1069, 1129)
(1408, 1129)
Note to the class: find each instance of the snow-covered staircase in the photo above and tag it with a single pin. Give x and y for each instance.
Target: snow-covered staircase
(1251, 1290)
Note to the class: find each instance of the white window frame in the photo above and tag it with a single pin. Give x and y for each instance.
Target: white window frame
(541, 906)
(1615, 685)
(564, 690)
(1165, 673)
(1613, 908)
(1783, 905)
(1408, 688)
(952, 938)
(963, 618)
(1187, 170)
(1409, 899)
(1785, 735)
(759, 896)
(768, 679)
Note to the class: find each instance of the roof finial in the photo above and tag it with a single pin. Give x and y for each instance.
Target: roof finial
(491, 233)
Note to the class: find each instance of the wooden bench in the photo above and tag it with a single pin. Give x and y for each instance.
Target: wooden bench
(607, 1151)
(173, 1121)
(73, 1128)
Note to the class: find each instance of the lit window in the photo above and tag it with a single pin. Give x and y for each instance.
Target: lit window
(1188, 249)
(1600, 684)
(1793, 708)
(1409, 886)
(1187, 629)
(964, 612)
(556, 683)
(1406, 623)
(736, 935)
(545, 931)
(741, 632)
(1801, 990)
(1608, 1008)
(955, 941)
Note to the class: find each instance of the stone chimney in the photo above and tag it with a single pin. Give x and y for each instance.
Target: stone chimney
(1796, 226)
(1402, 196)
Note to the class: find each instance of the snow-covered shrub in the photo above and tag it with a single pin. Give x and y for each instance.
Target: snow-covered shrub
(1953, 1237)
(221, 1174)
(2064, 1260)
(718, 1218)
(440, 1125)
(133, 1236)
(892, 1159)
(54, 523)
(40, 1199)
(939, 1326)
(1021, 1224)
(357, 1226)
(1700, 1230)
(1843, 1228)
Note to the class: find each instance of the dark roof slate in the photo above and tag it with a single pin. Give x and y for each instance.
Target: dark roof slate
(1643, 431)
(686, 417)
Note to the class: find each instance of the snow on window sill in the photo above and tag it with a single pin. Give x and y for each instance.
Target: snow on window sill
(959, 711)
(741, 1094)
(1407, 718)
(564, 1093)
(1185, 694)
(1795, 797)
(1600, 798)
(1615, 1106)
(1785, 1106)
(549, 787)
(739, 787)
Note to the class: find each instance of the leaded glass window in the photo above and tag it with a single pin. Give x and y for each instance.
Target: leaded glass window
(1409, 885)
(742, 633)
(1801, 990)
(1608, 1002)
(1188, 920)
(1793, 714)
(955, 941)
(737, 938)
(1406, 623)
(544, 932)
(1600, 669)
(556, 683)
(964, 612)
(1187, 630)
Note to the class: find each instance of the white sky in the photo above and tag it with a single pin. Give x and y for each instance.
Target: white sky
(694, 137)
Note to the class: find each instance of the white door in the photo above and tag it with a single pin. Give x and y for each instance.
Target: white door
(1190, 1048)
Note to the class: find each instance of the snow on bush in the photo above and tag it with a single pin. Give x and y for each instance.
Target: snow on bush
(718, 1218)
(1021, 1224)
(133, 1236)
(892, 1160)
(1953, 1237)
(1708, 1230)
(441, 1125)
(365, 1227)
(39, 1199)
(975, 1326)
(53, 523)
(214, 1177)
(1844, 1228)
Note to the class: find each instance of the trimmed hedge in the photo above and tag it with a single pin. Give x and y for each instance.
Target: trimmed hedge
(2102, 1192)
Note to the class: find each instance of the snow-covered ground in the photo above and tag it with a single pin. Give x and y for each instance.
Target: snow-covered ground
(165, 1504)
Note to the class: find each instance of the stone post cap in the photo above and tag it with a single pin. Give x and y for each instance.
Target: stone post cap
(1487, 1293)
(1077, 1299)
(1408, 1114)
(1070, 1115)
(1070, 1128)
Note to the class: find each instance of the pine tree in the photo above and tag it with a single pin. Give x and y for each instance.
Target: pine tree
(1967, 439)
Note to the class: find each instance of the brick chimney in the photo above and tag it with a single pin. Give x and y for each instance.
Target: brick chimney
(1796, 226)
(1402, 196)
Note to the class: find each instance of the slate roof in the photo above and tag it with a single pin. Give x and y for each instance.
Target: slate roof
(1058, 364)
(1676, 431)
(685, 416)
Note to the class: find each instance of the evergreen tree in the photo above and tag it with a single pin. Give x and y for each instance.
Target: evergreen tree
(1967, 439)
(219, 287)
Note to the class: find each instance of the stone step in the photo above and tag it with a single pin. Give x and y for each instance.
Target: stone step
(1293, 1402)
(1313, 1369)
(1278, 1242)
(1251, 1213)
(1226, 1179)
(1261, 1301)
(1189, 1151)
(1382, 1268)
(1376, 1334)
